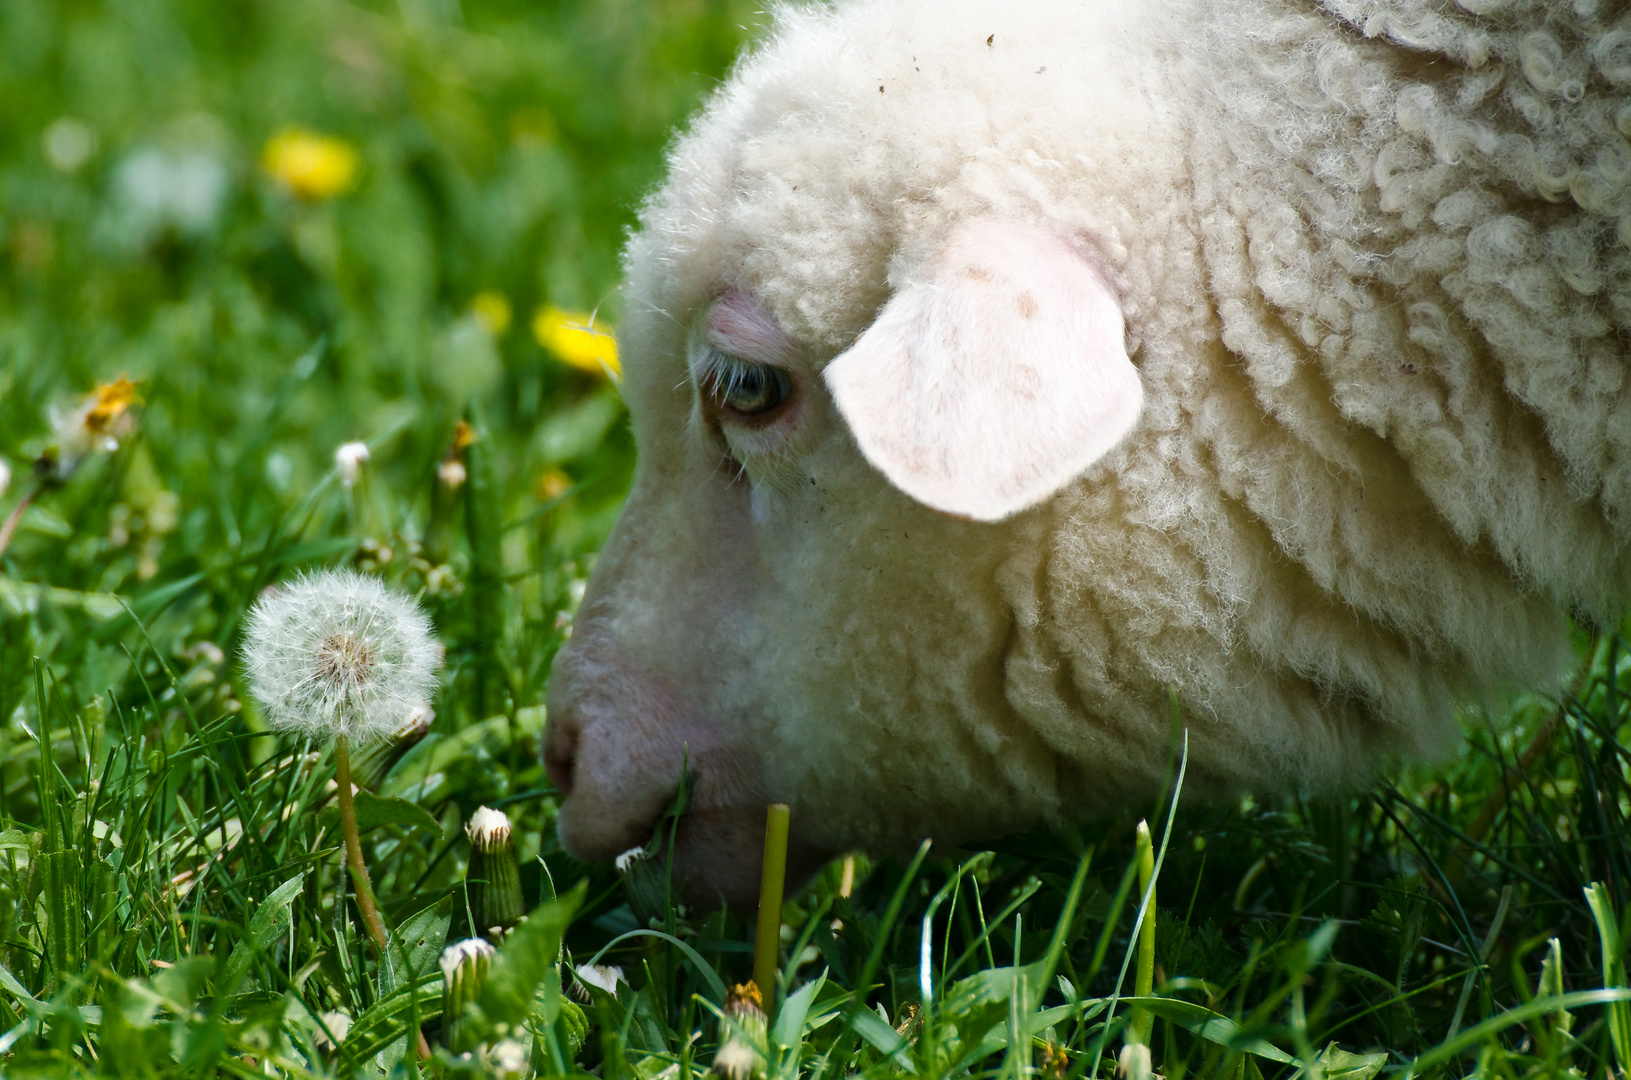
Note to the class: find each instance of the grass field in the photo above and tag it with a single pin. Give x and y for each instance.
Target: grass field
(297, 225)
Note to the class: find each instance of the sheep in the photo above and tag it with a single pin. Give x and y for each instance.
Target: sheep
(997, 370)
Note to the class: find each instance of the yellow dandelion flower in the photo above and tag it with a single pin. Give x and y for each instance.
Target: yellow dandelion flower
(312, 166)
(108, 404)
(574, 337)
(492, 310)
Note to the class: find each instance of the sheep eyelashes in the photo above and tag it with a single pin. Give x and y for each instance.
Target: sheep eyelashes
(1001, 376)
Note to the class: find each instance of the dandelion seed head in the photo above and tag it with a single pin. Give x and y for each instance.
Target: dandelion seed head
(338, 653)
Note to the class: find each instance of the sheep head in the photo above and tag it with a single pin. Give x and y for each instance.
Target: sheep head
(749, 607)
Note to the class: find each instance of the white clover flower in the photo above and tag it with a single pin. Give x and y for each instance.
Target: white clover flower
(349, 459)
(337, 653)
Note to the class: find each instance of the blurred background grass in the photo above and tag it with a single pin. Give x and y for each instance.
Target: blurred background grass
(484, 161)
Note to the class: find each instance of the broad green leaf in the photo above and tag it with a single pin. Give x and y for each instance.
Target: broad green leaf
(790, 1021)
(422, 936)
(269, 919)
(526, 958)
(709, 975)
(386, 1021)
(1211, 1026)
(374, 811)
(885, 1039)
(26, 596)
(1339, 1064)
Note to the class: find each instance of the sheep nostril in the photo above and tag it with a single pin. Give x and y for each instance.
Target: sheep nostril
(560, 760)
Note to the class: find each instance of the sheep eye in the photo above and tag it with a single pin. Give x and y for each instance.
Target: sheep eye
(746, 388)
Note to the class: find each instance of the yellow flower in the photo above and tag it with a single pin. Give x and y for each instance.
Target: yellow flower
(106, 406)
(492, 310)
(312, 166)
(576, 340)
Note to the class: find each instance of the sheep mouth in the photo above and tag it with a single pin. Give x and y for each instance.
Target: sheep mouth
(713, 856)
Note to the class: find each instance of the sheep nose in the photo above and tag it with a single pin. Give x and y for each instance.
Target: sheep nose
(561, 751)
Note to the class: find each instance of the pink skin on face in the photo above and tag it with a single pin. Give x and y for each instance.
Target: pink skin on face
(622, 725)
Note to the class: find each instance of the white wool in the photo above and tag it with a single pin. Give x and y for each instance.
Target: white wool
(1374, 262)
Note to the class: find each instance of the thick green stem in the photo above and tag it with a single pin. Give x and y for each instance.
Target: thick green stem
(767, 944)
(1144, 980)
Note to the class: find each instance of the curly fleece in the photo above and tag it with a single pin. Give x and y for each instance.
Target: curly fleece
(1375, 264)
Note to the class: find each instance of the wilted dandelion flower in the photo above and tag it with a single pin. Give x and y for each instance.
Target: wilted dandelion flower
(97, 423)
(574, 337)
(312, 166)
(336, 653)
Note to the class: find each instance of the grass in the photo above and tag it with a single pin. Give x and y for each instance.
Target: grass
(172, 899)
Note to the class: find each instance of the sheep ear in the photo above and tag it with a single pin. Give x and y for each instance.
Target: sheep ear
(994, 380)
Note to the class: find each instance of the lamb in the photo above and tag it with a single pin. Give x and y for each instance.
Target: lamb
(996, 369)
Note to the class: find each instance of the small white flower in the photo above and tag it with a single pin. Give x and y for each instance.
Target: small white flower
(509, 1059)
(451, 473)
(338, 1024)
(337, 653)
(69, 143)
(488, 829)
(5, 475)
(600, 976)
(1134, 1063)
(157, 188)
(348, 459)
(629, 858)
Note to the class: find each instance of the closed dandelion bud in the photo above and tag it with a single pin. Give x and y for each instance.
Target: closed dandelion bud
(464, 970)
(494, 878)
(742, 1057)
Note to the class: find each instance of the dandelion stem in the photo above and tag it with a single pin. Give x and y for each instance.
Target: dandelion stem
(14, 517)
(353, 848)
(353, 858)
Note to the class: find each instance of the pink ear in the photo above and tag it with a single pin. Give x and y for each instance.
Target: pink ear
(994, 380)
